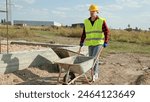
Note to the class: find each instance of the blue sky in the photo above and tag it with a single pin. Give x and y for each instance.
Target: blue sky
(118, 13)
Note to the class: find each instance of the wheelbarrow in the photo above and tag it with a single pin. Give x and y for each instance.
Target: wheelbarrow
(79, 65)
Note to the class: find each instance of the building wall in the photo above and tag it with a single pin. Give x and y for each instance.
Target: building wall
(57, 24)
(78, 25)
(36, 23)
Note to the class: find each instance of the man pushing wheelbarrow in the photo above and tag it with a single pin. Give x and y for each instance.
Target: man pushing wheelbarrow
(95, 35)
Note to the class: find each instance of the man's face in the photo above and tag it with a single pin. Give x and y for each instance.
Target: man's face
(93, 13)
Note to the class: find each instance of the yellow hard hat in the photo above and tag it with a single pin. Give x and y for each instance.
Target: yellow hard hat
(93, 7)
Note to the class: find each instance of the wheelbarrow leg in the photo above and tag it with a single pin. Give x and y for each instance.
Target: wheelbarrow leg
(92, 73)
(60, 70)
(72, 81)
(67, 76)
(88, 81)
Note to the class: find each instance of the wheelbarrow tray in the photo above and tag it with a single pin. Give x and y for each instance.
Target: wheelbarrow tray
(76, 64)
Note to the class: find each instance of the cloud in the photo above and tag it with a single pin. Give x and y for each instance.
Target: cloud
(63, 9)
(33, 14)
(59, 13)
(145, 2)
(112, 7)
(121, 5)
(29, 1)
(41, 11)
(129, 3)
(80, 7)
(145, 15)
(71, 12)
(2, 5)
(18, 6)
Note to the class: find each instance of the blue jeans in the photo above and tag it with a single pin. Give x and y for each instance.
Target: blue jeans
(93, 51)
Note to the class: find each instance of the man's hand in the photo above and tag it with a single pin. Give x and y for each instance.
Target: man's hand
(81, 44)
(105, 44)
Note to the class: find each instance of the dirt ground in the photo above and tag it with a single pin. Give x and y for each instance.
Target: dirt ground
(115, 69)
(15, 48)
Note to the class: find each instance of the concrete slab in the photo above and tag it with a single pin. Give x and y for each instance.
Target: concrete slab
(9, 41)
(43, 59)
(41, 44)
(62, 50)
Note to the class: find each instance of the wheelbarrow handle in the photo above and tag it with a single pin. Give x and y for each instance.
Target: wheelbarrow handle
(97, 56)
(79, 50)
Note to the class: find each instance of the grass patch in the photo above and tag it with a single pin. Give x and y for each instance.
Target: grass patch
(121, 40)
(70, 32)
(23, 32)
(117, 47)
(142, 37)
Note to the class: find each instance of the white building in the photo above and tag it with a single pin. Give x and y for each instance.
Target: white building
(36, 23)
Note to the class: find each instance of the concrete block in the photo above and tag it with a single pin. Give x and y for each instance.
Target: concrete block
(62, 50)
(41, 44)
(43, 59)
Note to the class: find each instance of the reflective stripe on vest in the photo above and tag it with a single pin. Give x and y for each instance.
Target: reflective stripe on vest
(94, 34)
(94, 39)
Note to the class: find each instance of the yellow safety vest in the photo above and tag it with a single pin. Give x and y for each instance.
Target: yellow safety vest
(94, 34)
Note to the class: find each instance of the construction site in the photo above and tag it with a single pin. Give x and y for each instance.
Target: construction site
(29, 63)
(26, 60)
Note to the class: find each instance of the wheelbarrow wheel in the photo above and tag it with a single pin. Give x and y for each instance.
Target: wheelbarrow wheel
(68, 78)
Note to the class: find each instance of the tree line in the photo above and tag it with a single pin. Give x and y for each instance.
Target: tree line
(129, 28)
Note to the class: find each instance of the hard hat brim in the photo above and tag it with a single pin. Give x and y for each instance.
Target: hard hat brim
(94, 10)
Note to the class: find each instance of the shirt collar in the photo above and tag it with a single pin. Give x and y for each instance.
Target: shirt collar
(95, 19)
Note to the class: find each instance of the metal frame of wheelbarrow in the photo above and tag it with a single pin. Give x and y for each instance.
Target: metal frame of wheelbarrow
(68, 73)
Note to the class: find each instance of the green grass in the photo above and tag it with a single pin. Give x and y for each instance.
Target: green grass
(117, 47)
(142, 37)
(121, 40)
(16, 33)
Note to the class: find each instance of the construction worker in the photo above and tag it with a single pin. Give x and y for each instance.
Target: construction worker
(95, 35)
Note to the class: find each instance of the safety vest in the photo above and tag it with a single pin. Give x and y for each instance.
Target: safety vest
(94, 34)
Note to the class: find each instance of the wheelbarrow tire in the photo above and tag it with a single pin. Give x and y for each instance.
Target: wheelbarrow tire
(70, 77)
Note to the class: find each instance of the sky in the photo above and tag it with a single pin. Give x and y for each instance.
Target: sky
(118, 13)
